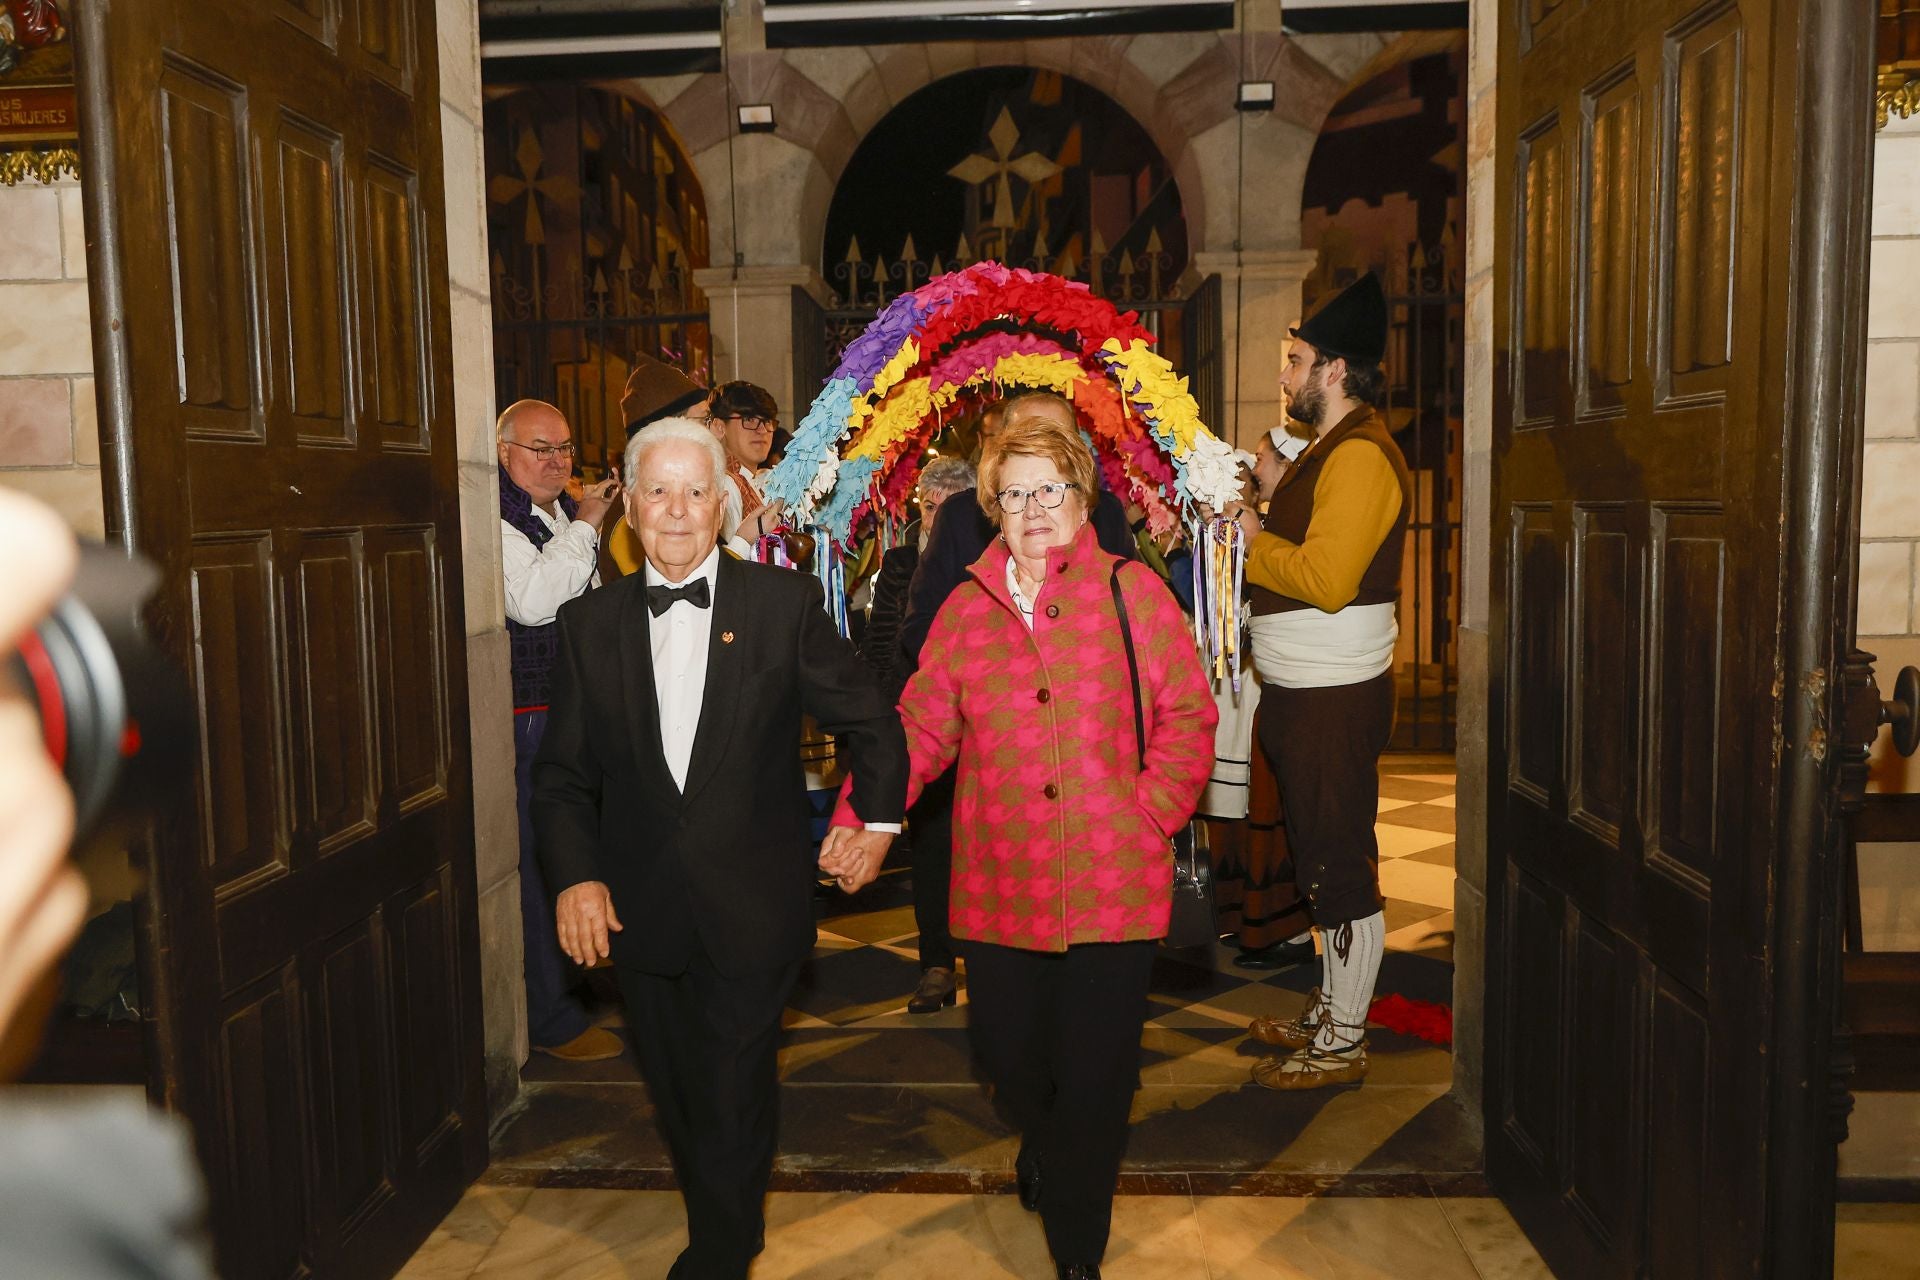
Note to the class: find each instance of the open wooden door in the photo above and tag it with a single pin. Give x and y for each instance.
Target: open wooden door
(265, 225)
(1680, 312)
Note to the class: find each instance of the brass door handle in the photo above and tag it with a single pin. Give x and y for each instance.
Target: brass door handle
(1903, 712)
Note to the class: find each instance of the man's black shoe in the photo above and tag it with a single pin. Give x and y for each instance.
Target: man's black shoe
(1281, 955)
(1079, 1271)
(1026, 1173)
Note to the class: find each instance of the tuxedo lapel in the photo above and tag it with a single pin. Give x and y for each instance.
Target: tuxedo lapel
(636, 679)
(726, 663)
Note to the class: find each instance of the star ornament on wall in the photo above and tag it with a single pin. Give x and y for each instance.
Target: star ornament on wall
(1003, 166)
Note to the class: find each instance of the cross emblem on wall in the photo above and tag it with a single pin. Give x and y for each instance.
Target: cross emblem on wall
(1002, 166)
(505, 189)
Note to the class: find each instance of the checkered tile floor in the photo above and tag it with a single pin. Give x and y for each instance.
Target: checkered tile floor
(870, 1086)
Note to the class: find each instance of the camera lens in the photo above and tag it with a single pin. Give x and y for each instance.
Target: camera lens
(114, 713)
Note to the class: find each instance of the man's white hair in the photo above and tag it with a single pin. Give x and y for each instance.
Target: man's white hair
(669, 429)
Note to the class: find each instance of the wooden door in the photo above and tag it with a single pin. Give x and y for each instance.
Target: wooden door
(1680, 257)
(265, 208)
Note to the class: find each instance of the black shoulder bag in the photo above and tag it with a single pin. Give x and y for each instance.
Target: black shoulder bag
(1193, 922)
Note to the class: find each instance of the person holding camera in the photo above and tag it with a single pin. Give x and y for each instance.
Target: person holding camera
(97, 1190)
(549, 549)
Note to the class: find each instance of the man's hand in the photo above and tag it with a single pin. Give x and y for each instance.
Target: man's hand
(1248, 518)
(756, 527)
(853, 856)
(582, 916)
(598, 500)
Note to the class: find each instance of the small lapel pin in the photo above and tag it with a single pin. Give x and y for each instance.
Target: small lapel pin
(726, 637)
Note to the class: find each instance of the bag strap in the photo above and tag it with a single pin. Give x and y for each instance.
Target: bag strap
(1133, 667)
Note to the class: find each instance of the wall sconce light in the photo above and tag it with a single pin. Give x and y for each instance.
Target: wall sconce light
(1255, 95)
(757, 118)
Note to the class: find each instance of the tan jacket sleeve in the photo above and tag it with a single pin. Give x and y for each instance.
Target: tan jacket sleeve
(1355, 504)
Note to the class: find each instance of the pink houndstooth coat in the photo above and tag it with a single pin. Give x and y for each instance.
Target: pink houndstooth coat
(1058, 837)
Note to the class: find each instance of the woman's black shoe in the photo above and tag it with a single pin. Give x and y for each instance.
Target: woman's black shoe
(1079, 1271)
(1280, 955)
(1026, 1173)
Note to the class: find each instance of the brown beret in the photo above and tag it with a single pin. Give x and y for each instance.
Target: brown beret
(656, 390)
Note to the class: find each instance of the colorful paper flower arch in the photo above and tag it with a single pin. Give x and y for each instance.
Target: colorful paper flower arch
(857, 452)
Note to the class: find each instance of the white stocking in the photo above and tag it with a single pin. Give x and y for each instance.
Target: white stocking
(1351, 956)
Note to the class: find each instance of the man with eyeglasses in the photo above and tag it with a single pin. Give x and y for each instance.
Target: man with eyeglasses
(743, 419)
(549, 546)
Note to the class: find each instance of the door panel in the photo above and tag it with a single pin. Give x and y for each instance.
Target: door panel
(275, 231)
(1646, 264)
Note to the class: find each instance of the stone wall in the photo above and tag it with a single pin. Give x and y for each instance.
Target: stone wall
(49, 440)
(496, 824)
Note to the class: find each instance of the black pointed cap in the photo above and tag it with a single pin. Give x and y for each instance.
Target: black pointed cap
(1352, 325)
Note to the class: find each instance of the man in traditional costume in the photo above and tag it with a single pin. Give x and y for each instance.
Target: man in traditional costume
(743, 417)
(1323, 575)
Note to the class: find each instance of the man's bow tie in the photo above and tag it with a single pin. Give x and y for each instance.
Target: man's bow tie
(660, 598)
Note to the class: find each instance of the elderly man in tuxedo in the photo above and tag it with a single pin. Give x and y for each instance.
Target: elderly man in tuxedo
(673, 822)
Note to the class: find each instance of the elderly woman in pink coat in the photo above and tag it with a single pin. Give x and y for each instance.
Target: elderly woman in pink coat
(1062, 875)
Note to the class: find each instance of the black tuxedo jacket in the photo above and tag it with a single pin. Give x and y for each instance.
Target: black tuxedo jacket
(729, 862)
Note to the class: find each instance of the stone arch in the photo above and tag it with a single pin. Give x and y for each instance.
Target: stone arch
(894, 149)
(1176, 85)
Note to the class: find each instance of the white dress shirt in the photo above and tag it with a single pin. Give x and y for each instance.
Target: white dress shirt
(541, 579)
(680, 639)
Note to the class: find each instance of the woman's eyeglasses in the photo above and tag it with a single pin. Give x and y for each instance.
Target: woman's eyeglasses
(1049, 496)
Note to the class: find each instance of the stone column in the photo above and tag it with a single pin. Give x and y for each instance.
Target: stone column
(1476, 561)
(496, 823)
(1260, 293)
(750, 313)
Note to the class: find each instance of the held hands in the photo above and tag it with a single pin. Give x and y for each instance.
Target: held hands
(853, 856)
(582, 916)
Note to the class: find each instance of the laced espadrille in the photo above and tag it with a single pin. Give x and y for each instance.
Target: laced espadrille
(1293, 1033)
(1317, 1067)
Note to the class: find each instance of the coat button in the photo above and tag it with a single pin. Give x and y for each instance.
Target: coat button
(1053, 611)
(1052, 792)
(1043, 696)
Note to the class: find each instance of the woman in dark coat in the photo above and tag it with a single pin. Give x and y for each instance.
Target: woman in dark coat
(929, 822)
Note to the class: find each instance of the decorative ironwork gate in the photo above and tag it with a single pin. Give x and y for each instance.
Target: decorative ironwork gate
(573, 344)
(1425, 387)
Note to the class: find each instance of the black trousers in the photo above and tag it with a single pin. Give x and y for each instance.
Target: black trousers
(930, 824)
(1059, 1037)
(1325, 747)
(708, 1046)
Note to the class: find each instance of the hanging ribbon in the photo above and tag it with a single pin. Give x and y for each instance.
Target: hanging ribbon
(1219, 579)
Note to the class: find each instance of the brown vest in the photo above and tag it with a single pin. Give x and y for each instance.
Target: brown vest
(1291, 510)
